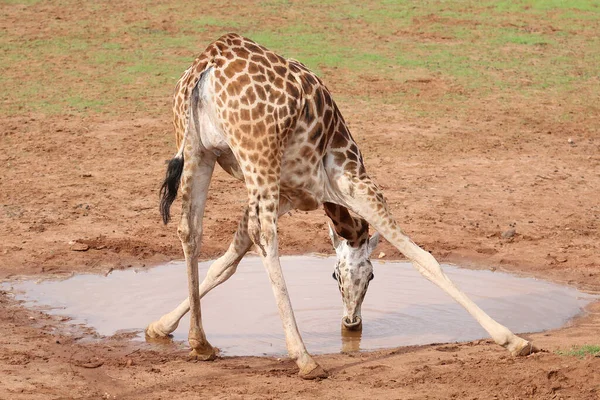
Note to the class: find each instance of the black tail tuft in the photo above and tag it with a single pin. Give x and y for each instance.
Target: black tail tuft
(168, 190)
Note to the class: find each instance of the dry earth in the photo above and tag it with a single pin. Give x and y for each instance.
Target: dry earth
(80, 194)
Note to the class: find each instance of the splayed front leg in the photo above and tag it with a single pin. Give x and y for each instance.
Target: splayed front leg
(364, 198)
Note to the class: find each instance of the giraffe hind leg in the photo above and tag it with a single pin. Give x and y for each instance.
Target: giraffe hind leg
(219, 271)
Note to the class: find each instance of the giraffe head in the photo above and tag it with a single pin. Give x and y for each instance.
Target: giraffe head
(353, 272)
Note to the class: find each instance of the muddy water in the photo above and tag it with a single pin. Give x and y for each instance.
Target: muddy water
(240, 317)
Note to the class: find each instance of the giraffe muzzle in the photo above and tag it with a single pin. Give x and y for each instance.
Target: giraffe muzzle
(353, 324)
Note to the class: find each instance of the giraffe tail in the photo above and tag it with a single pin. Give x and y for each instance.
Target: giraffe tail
(170, 186)
(168, 190)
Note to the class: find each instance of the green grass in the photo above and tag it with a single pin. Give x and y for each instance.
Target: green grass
(581, 352)
(530, 49)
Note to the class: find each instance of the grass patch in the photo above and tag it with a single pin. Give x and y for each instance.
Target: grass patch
(124, 62)
(581, 351)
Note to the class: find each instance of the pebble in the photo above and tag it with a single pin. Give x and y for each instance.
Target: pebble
(508, 234)
(381, 255)
(76, 246)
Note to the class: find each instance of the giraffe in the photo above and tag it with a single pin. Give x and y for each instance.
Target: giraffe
(272, 123)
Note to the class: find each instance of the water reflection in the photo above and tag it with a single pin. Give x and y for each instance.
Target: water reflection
(350, 340)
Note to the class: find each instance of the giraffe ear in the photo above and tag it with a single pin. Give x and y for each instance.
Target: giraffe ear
(335, 239)
(373, 241)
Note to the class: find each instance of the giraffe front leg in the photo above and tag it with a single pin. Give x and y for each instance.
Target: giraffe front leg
(265, 238)
(366, 200)
(309, 369)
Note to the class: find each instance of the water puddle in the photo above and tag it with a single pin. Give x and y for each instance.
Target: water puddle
(240, 316)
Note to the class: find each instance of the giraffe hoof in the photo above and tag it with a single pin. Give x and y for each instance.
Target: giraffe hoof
(154, 331)
(207, 353)
(526, 349)
(316, 373)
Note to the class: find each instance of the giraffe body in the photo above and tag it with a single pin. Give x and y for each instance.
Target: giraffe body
(272, 123)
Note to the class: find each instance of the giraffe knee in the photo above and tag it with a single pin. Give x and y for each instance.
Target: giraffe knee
(183, 230)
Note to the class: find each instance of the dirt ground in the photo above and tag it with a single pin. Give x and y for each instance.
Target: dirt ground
(80, 194)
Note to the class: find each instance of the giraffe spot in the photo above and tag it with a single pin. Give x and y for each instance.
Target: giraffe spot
(237, 66)
(213, 51)
(233, 104)
(278, 82)
(274, 58)
(200, 66)
(351, 156)
(306, 87)
(253, 68)
(306, 151)
(280, 70)
(243, 80)
(244, 114)
(327, 118)
(361, 169)
(253, 158)
(220, 61)
(263, 162)
(350, 166)
(250, 95)
(260, 107)
(254, 48)
(260, 92)
(260, 59)
(245, 128)
(339, 140)
(259, 128)
(316, 133)
(234, 88)
(241, 52)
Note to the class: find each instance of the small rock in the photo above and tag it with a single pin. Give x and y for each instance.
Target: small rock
(571, 141)
(76, 246)
(508, 234)
(381, 255)
(129, 362)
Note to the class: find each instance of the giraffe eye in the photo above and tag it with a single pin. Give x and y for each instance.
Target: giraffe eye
(371, 277)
